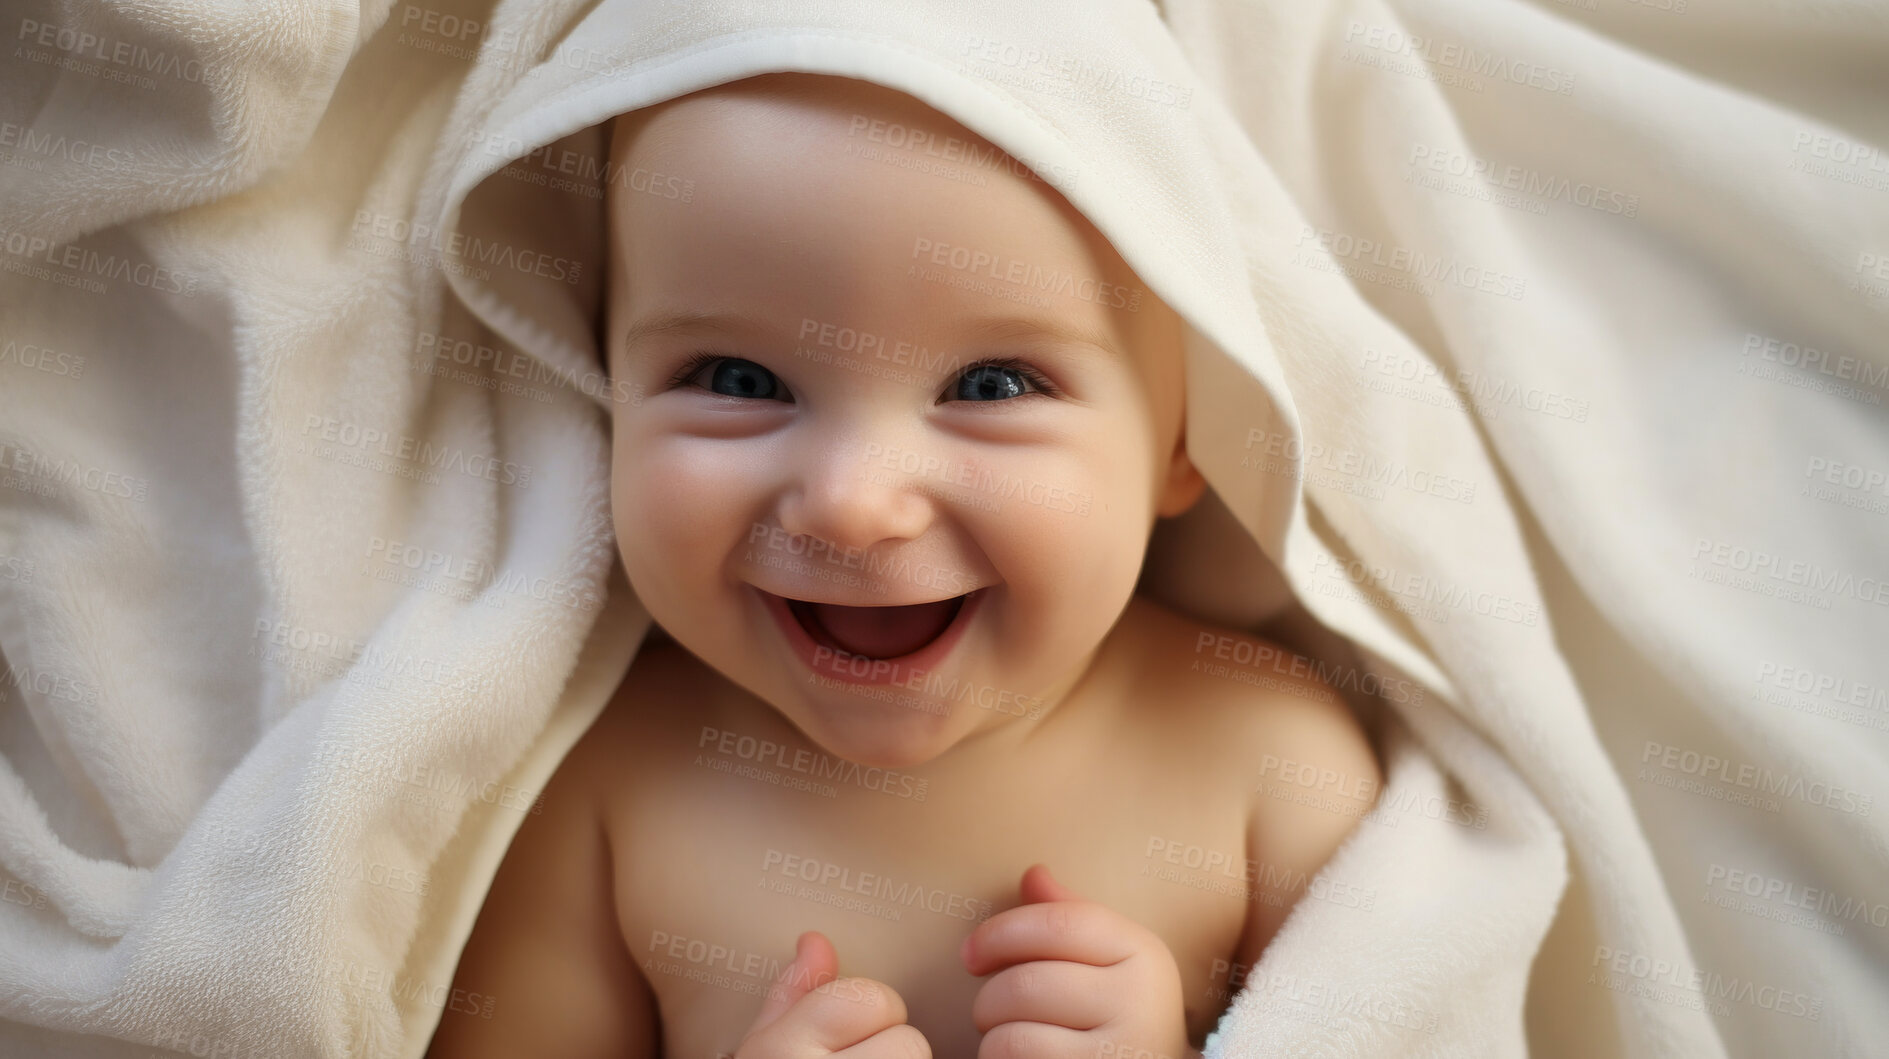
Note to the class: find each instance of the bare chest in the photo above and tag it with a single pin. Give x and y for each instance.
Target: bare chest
(728, 844)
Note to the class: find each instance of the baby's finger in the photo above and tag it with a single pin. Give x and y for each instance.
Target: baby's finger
(1035, 1040)
(814, 964)
(1073, 995)
(1078, 931)
(837, 1016)
(893, 1042)
(1039, 885)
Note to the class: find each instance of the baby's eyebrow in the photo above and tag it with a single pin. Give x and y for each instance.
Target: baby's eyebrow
(692, 320)
(979, 329)
(999, 328)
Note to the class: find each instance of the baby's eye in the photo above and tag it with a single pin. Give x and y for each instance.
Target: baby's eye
(989, 381)
(1000, 379)
(731, 376)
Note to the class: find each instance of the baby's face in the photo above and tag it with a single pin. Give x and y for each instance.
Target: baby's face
(806, 330)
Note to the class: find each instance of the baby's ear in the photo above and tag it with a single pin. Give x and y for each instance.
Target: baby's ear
(1183, 485)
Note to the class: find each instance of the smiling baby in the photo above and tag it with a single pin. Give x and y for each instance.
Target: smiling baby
(907, 767)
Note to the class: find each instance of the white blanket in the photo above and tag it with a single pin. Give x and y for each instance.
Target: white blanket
(1537, 353)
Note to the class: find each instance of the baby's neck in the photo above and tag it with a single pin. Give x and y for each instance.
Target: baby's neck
(1004, 740)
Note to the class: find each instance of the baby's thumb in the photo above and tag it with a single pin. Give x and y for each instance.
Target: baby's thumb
(1039, 885)
(815, 963)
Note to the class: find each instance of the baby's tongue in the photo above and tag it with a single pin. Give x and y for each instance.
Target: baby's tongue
(884, 632)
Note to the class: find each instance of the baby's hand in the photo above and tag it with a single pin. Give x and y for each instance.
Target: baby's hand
(1076, 979)
(815, 1014)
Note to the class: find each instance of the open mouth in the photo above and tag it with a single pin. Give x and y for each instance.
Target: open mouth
(876, 632)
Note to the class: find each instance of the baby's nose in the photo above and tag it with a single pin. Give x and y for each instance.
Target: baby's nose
(852, 502)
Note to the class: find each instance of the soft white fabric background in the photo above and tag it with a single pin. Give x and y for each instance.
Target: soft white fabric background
(258, 771)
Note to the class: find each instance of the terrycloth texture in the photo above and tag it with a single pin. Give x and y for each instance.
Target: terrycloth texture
(1500, 317)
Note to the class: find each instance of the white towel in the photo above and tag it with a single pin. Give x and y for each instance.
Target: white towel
(1561, 328)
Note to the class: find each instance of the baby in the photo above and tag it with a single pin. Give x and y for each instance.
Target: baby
(907, 422)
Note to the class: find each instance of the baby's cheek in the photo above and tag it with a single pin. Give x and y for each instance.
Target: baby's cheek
(692, 498)
(1092, 495)
(1060, 521)
(649, 514)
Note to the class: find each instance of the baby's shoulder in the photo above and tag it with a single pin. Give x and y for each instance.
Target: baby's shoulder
(1275, 740)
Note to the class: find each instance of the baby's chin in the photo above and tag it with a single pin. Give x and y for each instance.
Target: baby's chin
(878, 734)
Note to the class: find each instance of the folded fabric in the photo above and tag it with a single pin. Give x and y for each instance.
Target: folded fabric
(1534, 360)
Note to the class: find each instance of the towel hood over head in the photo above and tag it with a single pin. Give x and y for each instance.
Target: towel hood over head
(1109, 114)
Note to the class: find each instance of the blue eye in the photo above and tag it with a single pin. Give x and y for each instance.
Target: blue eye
(988, 381)
(732, 377)
(996, 379)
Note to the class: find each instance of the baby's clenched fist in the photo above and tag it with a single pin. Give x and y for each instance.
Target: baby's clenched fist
(813, 1014)
(1074, 979)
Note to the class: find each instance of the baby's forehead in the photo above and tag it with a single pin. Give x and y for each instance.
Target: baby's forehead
(856, 174)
